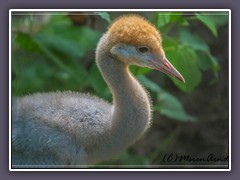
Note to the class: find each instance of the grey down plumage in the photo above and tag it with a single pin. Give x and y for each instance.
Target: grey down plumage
(69, 129)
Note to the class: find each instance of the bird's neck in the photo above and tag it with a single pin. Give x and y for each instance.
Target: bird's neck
(131, 106)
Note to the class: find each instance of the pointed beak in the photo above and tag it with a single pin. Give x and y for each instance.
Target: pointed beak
(166, 67)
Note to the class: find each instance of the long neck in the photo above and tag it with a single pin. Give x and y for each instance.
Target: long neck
(131, 106)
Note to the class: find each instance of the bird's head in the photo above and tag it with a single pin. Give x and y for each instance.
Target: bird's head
(135, 41)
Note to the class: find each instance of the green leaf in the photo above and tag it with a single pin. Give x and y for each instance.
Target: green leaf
(26, 42)
(61, 44)
(172, 108)
(61, 26)
(164, 19)
(184, 59)
(168, 104)
(51, 55)
(204, 58)
(207, 61)
(97, 82)
(213, 21)
(150, 84)
(178, 18)
(169, 43)
(86, 37)
(192, 41)
(137, 71)
(207, 21)
(105, 16)
(34, 74)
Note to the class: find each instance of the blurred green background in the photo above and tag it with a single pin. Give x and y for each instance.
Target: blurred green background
(56, 51)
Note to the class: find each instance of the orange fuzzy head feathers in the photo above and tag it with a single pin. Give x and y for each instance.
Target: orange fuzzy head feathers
(135, 30)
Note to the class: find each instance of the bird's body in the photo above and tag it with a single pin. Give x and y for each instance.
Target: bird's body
(68, 128)
(57, 120)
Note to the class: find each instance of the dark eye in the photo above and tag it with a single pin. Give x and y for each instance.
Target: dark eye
(143, 49)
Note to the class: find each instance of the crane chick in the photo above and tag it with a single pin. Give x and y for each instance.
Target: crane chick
(66, 129)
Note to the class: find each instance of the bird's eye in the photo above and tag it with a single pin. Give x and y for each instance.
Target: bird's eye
(143, 49)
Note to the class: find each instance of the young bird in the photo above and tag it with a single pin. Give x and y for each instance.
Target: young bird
(69, 128)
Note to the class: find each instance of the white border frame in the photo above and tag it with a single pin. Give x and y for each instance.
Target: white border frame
(117, 10)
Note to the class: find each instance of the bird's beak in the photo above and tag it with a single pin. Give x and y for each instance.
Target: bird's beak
(166, 67)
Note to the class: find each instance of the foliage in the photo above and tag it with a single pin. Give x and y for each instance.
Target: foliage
(213, 21)
(50, 56)
(105, 16)
(187, 51)
(167, 104)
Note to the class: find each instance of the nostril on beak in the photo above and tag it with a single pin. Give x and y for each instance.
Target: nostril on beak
(167, 65)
